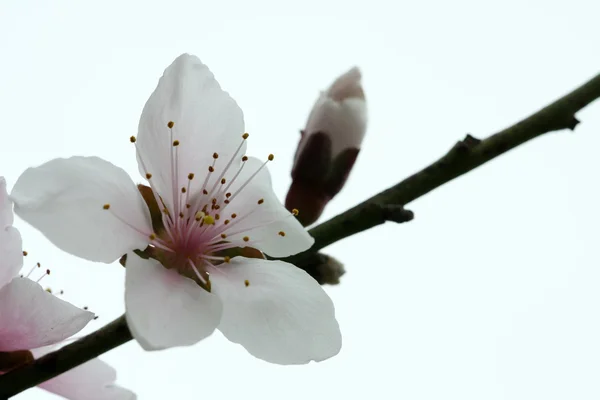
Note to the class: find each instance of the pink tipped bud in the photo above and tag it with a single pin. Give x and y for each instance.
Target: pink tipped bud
(328, 146)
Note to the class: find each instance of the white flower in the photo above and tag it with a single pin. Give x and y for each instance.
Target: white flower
(30, 317)
(93, 380)
(205, 200)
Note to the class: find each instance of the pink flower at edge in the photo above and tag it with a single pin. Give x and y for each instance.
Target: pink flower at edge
(93, 380)
(30, 317)
(35, 320)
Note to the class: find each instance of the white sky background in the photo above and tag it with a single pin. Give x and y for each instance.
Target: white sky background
(490, 293)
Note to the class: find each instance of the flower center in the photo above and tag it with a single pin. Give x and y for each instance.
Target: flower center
(193, 224)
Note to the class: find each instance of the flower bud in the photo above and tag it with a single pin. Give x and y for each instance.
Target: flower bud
(328, 146)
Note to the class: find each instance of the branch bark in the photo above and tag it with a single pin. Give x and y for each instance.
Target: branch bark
(70, 356)
(466, 155)
(388, 205)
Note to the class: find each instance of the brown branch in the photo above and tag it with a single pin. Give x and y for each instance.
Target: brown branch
(53, 364)
(466, 155)
(388, 205)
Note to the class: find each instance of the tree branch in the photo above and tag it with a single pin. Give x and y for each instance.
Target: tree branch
(70, 356)
(388, 205)
(466, 155)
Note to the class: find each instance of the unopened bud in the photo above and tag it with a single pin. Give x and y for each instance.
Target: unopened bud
(328, 146)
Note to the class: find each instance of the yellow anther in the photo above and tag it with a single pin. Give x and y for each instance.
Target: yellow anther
(175, 143)
(166, 211)
(245, 158)
(170, 124)
(181, 215)
(295, 211)
(281, 233)
(233, 215)
(245, 136)
(38, 265)
(211, 169)
(204, 191)
(223, 236)
(49, 290)
(247, 282)
(148, 176)
(260, 201)
(228, 194)
(132, 139)
(215, 155)
(106, 206)
(217, 216)
(183, 190)
(246, 238)
(188, 205)
(223, 181)
(199, 215)
(24, 253)
(226, 201)
(226, 221)
(208, 220)
(190, 176)
(213, 200)
(271, 157)
(152, 236)
(227, 259)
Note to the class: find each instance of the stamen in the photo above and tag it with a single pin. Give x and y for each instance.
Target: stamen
(270, 158)
(132, 139)
(197, 272)
(247, 283)
(37, 265)
(46, 274)
(281, 233)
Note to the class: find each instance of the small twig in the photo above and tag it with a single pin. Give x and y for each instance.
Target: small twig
(387, 205)
(70, 356)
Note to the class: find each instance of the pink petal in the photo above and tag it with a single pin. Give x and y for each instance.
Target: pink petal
(30, 317)
(93, 380)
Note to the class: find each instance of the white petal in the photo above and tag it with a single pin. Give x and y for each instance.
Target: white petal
(11, 252)
(341, 113)
(206, 120)
(93, 380)
(6, 212)
(65, 198)
(276, 311)
(265, 221)
(30, 317)
(165, 309)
